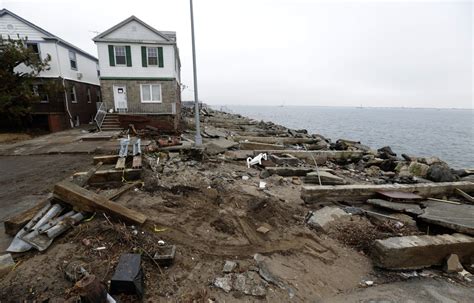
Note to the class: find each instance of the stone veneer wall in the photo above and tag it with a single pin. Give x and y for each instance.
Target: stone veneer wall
(170, 94)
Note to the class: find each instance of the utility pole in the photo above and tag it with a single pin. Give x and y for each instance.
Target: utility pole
(198, 138)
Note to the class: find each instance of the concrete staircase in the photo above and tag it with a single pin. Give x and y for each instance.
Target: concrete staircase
(111, 123)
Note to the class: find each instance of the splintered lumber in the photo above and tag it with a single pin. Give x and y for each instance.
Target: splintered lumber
(358, 192)
(120, 163)
(85, 200)
(114, 195)
(415, 252)
(467, 196)
(112, 175)
(137, 161)
(82, 180)
(289, 171)
(14, 224)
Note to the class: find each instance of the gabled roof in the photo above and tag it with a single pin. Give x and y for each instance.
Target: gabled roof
(164, 35)
(48, 35)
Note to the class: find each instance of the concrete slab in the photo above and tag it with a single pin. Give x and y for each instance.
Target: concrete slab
(289, 171)
(361, 192)
(257, 145)
(326, 178)
(321, 156)
(456, 217)
(414, 252)
(409, 208)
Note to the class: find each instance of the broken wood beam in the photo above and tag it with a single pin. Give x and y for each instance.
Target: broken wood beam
(120, 163)
(257, 146)
(116, 194)
(274, 140)
(107, 159)
(289, 171)
(88, 201)
(465, 195)
(14, 224)
(415, 252)
(361, 192)
(112, 175)
(321, 156)
(83, 179)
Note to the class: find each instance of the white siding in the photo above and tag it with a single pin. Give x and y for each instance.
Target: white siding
(134, 31)
(59, 65)
(137, 70)
(19, 27)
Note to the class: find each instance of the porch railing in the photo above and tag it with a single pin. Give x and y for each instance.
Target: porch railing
(100, 116)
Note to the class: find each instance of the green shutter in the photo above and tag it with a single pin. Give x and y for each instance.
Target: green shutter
(144, 58)
(160, 57)
(111, 55)
(128, 54)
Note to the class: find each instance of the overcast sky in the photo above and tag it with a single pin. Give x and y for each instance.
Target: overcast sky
(296, 52)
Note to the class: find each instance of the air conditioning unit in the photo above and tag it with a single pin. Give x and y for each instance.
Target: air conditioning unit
(79, 76)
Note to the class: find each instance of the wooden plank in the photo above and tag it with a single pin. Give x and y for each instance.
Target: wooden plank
(137, 162)
(120, 163)
(107, 159)
(85, 200)
(14, 224)
(444, 201)
(82, 180)
(114, 195)
(112, 175)
(467, 196)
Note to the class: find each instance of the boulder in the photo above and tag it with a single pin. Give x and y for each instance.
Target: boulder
(440, 173)
(229, 266)
(430, 160)
(388, 165)
(415, 169)
(386, 152)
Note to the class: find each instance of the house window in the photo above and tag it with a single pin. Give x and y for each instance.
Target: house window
(34, 47)
(98, 69)
(72, 60)
(89, 99)
(72, 93)
(98, 95)
(39, 91)
(150, 93)
(152, 55)
(120, 58)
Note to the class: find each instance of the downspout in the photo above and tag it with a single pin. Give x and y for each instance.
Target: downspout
(64, 85)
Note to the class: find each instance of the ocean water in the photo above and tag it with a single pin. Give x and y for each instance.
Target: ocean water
(445, 133)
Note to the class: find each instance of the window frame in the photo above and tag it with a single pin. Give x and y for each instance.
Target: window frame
(124, 55)
(38, 54)
(73, 92)
(98, 95)
(150, 87)
(36, 91)
(88, 95)
(71, 59)
(148, 56)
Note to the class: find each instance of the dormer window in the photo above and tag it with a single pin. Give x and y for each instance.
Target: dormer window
(120, 55)
(73, 60)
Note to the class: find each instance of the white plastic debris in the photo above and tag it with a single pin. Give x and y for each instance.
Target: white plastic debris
(245, 178)
(262, 185)
(256, 160)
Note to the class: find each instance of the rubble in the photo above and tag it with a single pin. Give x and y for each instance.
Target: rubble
(455, 217)
(452, 264)
(321, 219)
(6, 264)
(414, 252)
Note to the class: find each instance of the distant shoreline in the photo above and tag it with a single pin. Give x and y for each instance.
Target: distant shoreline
(217, 106)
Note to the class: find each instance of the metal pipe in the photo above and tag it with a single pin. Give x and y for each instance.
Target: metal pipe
(198, 138)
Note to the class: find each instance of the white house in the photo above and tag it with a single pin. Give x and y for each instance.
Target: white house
(70, 67)
(140, 74)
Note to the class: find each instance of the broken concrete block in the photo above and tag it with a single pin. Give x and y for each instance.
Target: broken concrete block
(229, 266)
(260, 146)
(410, 208)
(289, 171)
(455, 217)
(224, 283)
(452, 264)
(414, 252)
(250, 283)
(218, 146)
(326, 178)
(320, 219)
(6, 264)
(265, 228)
(285, 159)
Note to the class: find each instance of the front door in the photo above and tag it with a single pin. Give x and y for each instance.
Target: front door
(120, 98)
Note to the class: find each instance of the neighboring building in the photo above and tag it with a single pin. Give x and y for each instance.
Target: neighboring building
(140, 74)
(73, 70)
